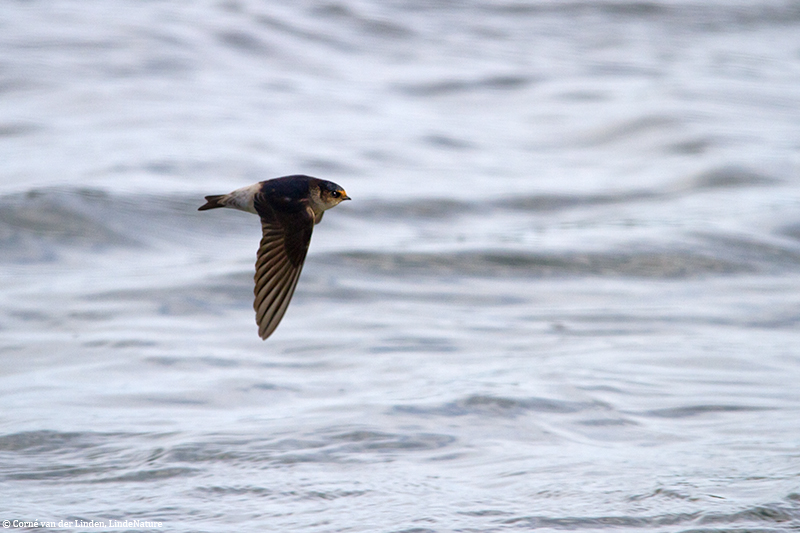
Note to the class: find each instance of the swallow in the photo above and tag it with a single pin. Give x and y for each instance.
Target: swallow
(289, 208)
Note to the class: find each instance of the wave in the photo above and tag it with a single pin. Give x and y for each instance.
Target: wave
(142, 457)
(775, 515)
(720, 178)
(707, 15)
(41, 224)
(737, 257)
(38, 224)
(494, 406)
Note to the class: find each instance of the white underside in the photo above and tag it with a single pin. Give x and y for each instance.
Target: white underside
(242, 199)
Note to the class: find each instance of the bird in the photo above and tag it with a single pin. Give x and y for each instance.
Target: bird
(289, 208)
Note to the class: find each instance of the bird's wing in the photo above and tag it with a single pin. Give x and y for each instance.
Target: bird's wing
(284, 244)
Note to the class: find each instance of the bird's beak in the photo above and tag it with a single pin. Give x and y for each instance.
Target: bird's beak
(345, 197)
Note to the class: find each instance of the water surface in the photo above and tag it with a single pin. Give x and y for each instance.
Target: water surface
(566, 295)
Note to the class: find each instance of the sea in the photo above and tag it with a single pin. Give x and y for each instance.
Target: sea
(565, 295)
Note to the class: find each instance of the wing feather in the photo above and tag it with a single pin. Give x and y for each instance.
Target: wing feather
(281, 254)
(268, 292)
(269, 270)
(279, 305)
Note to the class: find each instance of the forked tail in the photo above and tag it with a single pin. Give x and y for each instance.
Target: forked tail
(212, 202)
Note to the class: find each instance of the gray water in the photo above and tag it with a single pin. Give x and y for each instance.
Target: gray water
(565, 296)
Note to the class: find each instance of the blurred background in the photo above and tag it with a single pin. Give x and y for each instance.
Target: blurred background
(566, 294)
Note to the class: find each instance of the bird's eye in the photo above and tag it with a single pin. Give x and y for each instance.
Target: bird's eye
(336, 194)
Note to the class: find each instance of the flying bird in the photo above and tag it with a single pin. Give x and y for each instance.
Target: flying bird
(289, 208)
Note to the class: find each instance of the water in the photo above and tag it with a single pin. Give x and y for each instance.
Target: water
(565, 296)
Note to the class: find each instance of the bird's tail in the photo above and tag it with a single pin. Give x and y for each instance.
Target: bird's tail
(213, 202)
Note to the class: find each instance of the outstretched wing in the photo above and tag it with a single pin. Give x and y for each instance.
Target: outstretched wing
(284, 244)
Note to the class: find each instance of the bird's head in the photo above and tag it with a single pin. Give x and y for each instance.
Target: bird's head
(331, 194)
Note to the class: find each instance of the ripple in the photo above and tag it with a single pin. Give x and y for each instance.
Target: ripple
(46, 441)
(245, 42)
(450, 86)
(619, 263)
(156, 474)
(697, 410)
(601, 521)
(324, 446)
(498, 406)
(760, 515)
